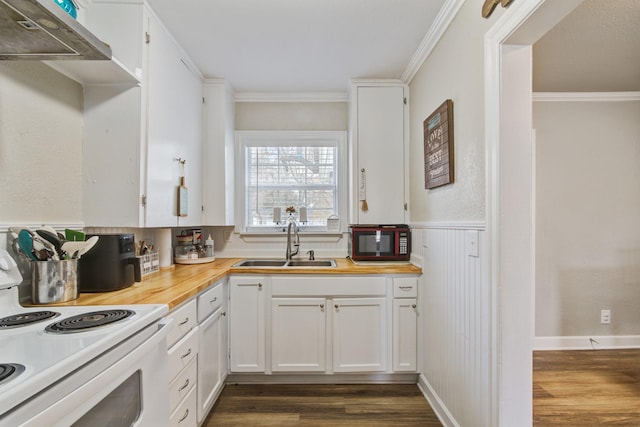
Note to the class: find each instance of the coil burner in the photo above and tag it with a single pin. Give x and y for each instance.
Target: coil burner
(23, 319)
(87, 321)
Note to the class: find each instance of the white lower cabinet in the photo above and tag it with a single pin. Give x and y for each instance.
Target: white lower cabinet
(405, 323)
(359, 335)
(212, 350)
(182, 343)
(303, 307)
(247, 328)
(298, 334)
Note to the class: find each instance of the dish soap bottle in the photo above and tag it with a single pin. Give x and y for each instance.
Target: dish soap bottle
(208, 247)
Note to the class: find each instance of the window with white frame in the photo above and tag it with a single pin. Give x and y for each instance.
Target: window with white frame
(280, 170)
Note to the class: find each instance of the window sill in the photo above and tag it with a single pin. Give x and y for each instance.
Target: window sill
(308, 236)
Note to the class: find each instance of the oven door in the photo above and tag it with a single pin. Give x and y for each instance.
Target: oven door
(126, 386)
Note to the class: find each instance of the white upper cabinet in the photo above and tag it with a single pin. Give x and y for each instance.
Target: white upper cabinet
(378, 128)
(135, 136)
(218, 153)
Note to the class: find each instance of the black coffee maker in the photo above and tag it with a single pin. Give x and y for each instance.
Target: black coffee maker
(110, 265)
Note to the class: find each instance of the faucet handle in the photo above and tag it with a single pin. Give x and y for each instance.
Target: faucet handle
(311, 255)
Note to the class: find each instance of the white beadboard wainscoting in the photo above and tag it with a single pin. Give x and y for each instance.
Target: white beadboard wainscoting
(455, 321)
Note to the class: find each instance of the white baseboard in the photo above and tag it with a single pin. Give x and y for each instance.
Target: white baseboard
(437, 405)
(586, 342)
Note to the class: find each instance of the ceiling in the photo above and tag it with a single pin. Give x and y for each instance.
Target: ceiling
(293, 46)
(596, 48)
(298, 45)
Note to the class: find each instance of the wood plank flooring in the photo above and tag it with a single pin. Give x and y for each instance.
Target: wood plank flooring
(322, 405)
(586, 388)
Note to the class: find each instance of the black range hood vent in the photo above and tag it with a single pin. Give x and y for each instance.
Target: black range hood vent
(41, 30)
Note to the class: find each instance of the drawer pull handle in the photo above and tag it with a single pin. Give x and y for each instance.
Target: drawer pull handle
(184, 417)
(213, 300)
(184, 322)
(186, 354)
(186, 384)
(406, 288)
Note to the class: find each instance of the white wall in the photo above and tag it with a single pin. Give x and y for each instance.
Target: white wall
(455, 359)
(587, 217)
(40, 145)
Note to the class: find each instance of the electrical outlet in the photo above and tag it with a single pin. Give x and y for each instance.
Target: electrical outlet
(605, 317)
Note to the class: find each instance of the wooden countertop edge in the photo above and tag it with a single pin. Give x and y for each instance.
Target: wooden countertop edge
(176, 285)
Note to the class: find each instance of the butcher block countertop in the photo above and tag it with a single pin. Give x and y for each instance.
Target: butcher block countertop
(173, 286)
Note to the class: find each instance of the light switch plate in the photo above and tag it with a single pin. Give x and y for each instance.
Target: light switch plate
(471, 243)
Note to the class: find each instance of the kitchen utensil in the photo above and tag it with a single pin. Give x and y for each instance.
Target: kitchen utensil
(25, 243)
(74, 235)
(53, 239)
(90, 243)
(40, 244)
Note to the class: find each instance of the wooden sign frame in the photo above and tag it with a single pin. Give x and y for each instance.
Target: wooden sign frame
(438, 146)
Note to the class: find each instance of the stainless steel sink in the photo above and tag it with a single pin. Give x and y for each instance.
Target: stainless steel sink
(311, 263)
(261, 263)
(281, 263)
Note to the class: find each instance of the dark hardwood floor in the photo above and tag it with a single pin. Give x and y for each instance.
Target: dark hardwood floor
(322, 405)
(586, 388)
(570, 388)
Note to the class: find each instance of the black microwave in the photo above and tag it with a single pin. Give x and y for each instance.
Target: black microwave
(380, 242)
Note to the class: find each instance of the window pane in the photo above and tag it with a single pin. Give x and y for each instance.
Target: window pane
(291, 175)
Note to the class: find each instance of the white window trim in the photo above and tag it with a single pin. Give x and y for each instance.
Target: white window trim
(245, 137)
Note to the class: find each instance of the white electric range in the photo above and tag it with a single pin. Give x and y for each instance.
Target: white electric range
(74, 365)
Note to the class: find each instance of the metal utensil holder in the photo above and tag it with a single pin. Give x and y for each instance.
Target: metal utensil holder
(54, 281)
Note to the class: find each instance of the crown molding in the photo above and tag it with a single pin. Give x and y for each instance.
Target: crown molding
(585, 96)
(292, 97)
(438, 27)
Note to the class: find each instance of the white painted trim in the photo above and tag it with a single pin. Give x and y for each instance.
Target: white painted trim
(585, 96)
(462, 225)
(436, 404)
(437, 29)
(291, 97)
(584, 342)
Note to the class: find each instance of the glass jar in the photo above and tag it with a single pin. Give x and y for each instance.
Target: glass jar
(186, 249)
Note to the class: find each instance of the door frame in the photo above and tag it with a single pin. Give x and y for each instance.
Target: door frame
(510, 200)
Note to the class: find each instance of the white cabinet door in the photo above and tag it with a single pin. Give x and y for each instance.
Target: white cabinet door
(141, 130)
(404, 334)
(298, 336)
(379, 138)
(211, 361)
(218, 154)
(359, 334)
(247, 327)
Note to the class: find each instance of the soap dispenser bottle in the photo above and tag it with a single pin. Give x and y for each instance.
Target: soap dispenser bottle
(208, 247)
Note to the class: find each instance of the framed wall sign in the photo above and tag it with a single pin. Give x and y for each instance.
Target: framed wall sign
(438, 146)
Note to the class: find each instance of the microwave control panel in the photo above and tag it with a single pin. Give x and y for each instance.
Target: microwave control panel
(403, 244)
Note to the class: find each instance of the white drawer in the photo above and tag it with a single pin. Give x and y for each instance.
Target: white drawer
(182, 384)
(405, 287)
(185, 414)
(184, 319)
(210, 300)
(183, 352)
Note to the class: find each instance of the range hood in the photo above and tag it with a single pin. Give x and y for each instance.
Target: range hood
(41, 30)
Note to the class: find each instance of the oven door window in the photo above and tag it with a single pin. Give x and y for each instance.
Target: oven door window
(376, 243)
(121, 407)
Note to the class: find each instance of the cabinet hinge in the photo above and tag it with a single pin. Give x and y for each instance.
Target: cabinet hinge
(202, 208)
(404, 100)
(406, 207)
(203, 99)
(143, 200)
(147, 37)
